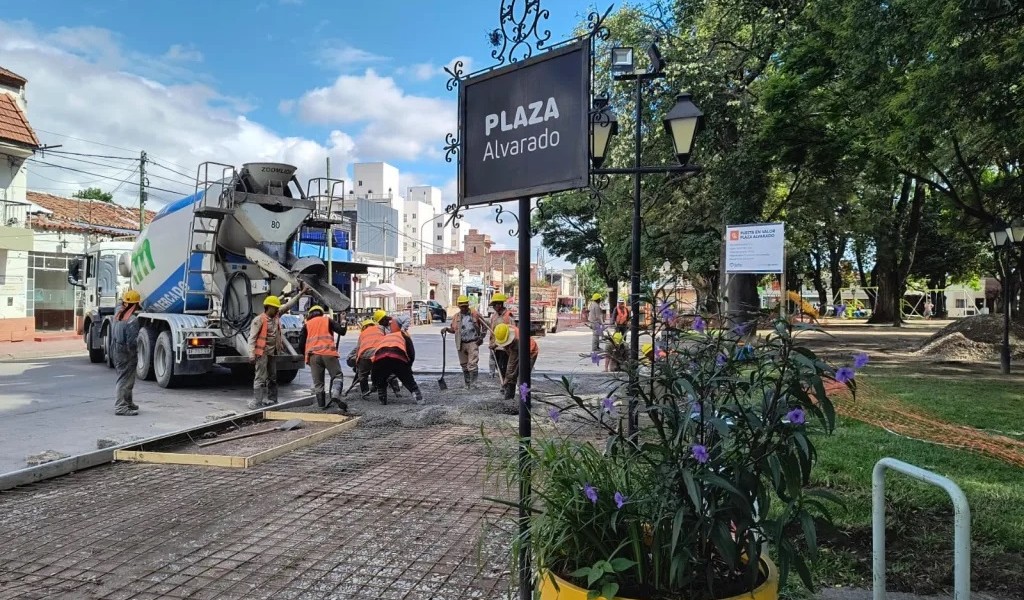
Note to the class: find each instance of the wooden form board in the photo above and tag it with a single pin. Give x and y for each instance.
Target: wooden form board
(243, 462)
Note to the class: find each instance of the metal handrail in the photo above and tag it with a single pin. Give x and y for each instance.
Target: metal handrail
(961, 525)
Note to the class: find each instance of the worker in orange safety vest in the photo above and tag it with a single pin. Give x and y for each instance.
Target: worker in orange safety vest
(393, 358)
(621, 316)
(266, 341)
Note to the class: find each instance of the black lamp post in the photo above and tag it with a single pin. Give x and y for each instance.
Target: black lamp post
(682, 123)
(1003, 238)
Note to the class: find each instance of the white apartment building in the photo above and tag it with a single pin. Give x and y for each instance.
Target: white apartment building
(417, 231)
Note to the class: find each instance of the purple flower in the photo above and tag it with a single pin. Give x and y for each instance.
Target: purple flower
(699, 325)
(600, 329)
(860, 361)
(524, 391)
(796, 416)
(845, 374)
(555, 414)
(594, 358)
(608, 406)
(700, 453)
(591, 493)
(740, 329)
(620, 500)
(721, 359)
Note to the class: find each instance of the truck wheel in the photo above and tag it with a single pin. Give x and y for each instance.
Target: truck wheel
(163, 361)
(147, 341)
(96, 355)
(287, 375)
(106, 347)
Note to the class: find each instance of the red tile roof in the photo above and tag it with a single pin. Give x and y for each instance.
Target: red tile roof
(14, 126)
(74, 214)
(11, 78)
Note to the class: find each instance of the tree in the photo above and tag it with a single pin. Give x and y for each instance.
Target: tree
(94, 194)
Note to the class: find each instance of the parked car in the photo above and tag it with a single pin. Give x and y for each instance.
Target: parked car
(437, 312)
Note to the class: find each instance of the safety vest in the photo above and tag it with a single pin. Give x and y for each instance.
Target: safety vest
(319, 339)
(368, 340)
(261, 337)
(621, 315)
(124, 315)
(391, 345)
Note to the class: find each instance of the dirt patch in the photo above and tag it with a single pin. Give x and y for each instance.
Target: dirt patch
(985, 329)
(919, 555)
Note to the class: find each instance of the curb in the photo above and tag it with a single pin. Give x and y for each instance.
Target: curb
(5, 358)
(97, 458)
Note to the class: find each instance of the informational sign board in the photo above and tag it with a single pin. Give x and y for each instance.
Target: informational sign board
(758, 248)
(524, 128)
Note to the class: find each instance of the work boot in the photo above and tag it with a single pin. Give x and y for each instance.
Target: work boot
(469, 380)
(258, 395)
(342, 406)
(473, 377)
(395, 385)
(321, 400)
(271, 395)
(510, 391)
(129, 412)
(419, 396)
(382, 394)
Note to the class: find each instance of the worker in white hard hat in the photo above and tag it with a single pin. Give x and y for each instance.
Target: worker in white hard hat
(124, 335)
(318, 344)
(468, 327)
(266, 341)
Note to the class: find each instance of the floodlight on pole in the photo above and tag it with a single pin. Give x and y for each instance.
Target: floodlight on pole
(623, 62)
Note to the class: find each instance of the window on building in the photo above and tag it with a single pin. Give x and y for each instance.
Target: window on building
(413, 215)
(405, 218)
(405, 245)
(474, 249)
(961, 303)
(439, 238)
(360, 182)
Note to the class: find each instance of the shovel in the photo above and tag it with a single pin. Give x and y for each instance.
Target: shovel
(286, 426)
(441, 383)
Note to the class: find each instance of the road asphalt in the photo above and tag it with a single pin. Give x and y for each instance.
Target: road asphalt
(65, 403)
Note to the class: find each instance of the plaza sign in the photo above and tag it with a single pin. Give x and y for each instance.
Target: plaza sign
(524, 128)
(756, 248)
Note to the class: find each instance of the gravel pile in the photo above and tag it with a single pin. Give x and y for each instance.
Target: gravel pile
(972, 339)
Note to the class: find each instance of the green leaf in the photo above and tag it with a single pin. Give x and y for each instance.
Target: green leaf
(580, 573)
(691, 489)
(810, 533)
(593, 576)
(609, 590)
(621, 564)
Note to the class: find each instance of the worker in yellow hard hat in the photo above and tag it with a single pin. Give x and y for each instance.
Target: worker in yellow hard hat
(505, 337)
(499, 315)
(318, 344)
(266, 341)
(468, 327)
(124, 335)
(595, 320)
(369, 339)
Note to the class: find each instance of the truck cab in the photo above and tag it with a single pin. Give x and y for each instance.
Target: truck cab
(98, 274)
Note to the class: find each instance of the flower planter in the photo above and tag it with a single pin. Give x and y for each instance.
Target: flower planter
(769, 590)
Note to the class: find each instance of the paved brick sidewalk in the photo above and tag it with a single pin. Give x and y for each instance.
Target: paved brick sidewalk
(373, 513)
(31, 349)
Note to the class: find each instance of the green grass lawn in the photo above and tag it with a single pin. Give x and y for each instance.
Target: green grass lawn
(920, 517)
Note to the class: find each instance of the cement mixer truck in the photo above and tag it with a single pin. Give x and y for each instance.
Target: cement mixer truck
(205, 264)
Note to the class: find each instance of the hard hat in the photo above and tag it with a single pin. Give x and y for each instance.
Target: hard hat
(646, 348)
(498, 298)
(132, 297)
(617, 338)
(378, 315)
(272, 301)
(462, 300)
(621, 300)
(315, 308)
(596, 297)
(368, 323)
(503, 335)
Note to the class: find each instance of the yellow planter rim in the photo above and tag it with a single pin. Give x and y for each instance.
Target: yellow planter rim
(768, 590)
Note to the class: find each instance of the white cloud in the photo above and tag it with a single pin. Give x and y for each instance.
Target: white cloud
(345, 58)
(427, 71)
(81, 83)
(399, 126)
(189, 53)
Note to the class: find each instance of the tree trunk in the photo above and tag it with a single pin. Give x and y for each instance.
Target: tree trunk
(817, 279)
(896, 246)
(744, 303)
(836, 250)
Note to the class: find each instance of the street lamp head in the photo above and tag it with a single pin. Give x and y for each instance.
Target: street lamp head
(622, 61)
(682, 124)
(657, 62)
(1015, 231)
(603, 125)
(999, 235)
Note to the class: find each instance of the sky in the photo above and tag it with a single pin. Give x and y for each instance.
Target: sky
(235, 81)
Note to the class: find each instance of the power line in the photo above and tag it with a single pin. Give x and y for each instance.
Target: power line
(153, 162)
(36, 161)
(71, 137)
(90, 155)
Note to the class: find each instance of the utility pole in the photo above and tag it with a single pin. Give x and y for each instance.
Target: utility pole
(142, 191)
